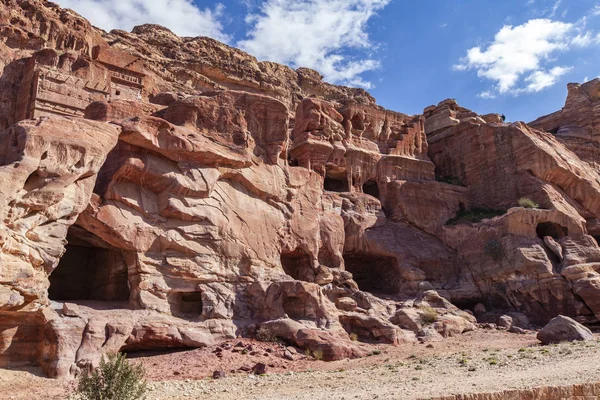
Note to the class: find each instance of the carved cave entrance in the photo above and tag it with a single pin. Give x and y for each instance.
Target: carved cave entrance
(551, 229)
(187, 304)
(374, 274)
(336, 185)
(88, 271)
(297, 265)
(371, 188)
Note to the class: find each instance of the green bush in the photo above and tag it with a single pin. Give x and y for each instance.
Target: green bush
(528, 203)
(114, 379)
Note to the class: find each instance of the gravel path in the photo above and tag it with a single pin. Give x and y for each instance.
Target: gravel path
(481, 361)
(464, 372)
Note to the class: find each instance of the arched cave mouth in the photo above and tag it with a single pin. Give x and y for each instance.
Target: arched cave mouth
(297, 264)
(374, 274)
(551, 229)
(371, 188)
(89, 270)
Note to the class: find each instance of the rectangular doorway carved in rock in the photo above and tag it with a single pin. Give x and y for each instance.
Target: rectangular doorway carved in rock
(89, 272)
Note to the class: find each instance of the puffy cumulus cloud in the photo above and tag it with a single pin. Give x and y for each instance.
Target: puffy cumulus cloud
(540, 80)
(327, 35)
(517, 60)
(181, 16)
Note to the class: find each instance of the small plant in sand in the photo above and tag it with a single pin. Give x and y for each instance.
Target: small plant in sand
(114, 379)
(264, 334)
(354, 337)
(428, 315)
(318, 354)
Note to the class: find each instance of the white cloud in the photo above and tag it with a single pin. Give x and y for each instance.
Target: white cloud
(554, 9)
(595, 11)
(487, 95)
(181, 16)
(517, 60)
(583, 39)
(317, 34)
(540, 80)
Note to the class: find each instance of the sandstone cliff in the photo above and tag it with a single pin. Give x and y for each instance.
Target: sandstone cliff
(164, 192)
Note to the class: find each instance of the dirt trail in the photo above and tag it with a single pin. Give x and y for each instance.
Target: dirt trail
(482, 361)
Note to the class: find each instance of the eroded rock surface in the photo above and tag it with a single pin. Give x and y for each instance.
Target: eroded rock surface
(163, 192)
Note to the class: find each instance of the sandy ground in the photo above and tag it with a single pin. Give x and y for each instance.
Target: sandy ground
(481, 361)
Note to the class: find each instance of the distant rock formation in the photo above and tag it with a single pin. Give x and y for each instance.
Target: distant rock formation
(163, 192)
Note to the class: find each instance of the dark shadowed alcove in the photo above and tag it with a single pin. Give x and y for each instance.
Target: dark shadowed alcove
(89, 273)
(187, 304)
(374, 274)
(371, 188)
(297, 265)
(551, 229)
(89, 270)
(336, 185)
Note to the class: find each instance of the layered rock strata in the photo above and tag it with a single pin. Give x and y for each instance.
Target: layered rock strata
(163, 192)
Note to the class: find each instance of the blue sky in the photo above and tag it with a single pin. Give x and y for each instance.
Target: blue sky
(512, 57)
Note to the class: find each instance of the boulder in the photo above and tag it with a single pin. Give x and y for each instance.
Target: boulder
(504, 321)
(563, 329)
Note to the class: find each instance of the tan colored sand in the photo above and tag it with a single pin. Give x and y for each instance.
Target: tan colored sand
(481, 361)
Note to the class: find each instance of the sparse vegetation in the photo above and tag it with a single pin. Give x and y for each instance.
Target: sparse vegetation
(354, 337)
(264, 334)
(528, 203)
(114, 379)
(428, 315)
(318, 354)
(473, 216)
(494, 249)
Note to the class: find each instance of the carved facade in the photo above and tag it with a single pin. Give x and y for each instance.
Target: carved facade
(65, 84)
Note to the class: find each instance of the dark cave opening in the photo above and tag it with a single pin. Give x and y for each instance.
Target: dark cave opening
(336, 185)
(371, 188)
(554, 131)
(188, 304)
(297, 264)
(86, 272)
(551, 229)
(374, 274)
(357, 123)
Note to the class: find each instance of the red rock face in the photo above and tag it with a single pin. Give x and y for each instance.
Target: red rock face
(164, 192)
